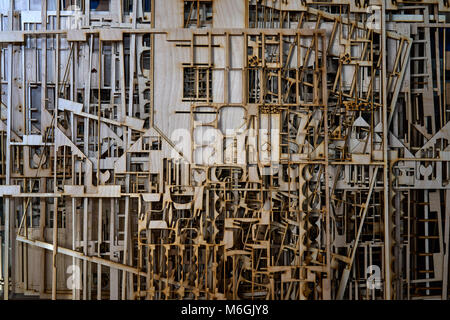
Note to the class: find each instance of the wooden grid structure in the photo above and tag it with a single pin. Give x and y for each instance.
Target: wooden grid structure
(225, 149)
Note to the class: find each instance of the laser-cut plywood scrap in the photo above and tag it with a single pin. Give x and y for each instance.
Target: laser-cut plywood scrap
(224, 149)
